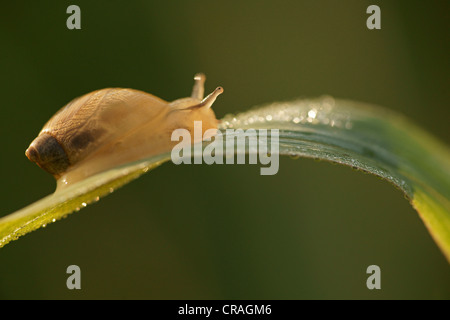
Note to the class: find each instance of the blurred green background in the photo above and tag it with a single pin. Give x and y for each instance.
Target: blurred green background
(224, 232)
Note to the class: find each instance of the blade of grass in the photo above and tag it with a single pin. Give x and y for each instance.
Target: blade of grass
(369, 138)
(364, 137)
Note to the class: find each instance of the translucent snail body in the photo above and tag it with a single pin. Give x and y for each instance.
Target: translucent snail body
(114, 126)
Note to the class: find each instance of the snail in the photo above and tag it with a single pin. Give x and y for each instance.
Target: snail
(113, 126)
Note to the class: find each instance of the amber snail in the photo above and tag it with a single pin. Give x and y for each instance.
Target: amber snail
(114, 126)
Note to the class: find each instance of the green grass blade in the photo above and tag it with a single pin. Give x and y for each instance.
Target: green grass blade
(63, 202)
(364, 137)
(368, 138)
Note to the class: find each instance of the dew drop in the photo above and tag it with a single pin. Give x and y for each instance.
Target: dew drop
(312, 113)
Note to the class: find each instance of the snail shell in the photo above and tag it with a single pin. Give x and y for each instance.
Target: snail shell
(114, 126)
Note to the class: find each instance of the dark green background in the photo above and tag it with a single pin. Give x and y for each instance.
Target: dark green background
(224, 232)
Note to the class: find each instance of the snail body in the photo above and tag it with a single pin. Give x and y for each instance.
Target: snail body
(114, 126)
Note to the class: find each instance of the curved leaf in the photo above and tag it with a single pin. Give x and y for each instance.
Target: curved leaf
(364, 137)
